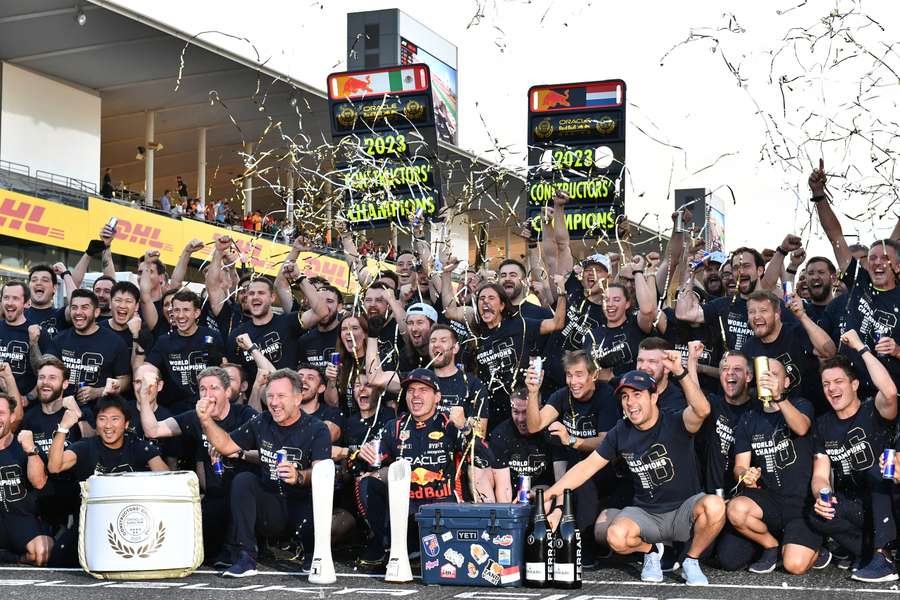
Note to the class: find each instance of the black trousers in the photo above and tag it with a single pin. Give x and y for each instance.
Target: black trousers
(257, 511)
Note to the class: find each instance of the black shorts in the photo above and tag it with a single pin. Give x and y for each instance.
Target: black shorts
(785, 516)
(16, 531)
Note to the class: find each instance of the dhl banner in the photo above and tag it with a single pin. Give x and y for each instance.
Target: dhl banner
(55, 224)
(42, 221)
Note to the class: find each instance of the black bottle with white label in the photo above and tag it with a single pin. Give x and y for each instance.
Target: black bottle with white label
(567, 552)
(539, 547)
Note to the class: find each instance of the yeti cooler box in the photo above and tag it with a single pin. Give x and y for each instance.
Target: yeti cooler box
(473, 544)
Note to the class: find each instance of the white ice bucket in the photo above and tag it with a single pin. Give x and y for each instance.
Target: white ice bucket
(140, 525)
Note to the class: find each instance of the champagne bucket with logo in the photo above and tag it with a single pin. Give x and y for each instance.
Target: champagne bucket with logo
(140, 525)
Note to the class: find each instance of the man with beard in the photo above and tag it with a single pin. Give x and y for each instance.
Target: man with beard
(668, 503)
(42, 280)
(715, 443)
(821, 276)
(61, 499)
(513, 279)
(385, 312)
(221, 279)
(92, 354)
(651, 360)
(613, 344)
(277, 499)
(773, 447)
(869, 306)
(849, 439)
(277, 336)
(313, 388)
(712, 279)
(102, 288)
(21, 532)
(796, 346)
(213, 385)
(111, 451)
(505, 341)
(186, 351)
(237, 383)
(18, 339)
(317, 344)
(730, 312)
(578, 416)
(420, 318)
(728, 282)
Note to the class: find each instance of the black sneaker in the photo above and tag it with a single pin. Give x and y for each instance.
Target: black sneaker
(766, 562)
(878, 570)
(223, 559)
(823, 560)
(244, 566)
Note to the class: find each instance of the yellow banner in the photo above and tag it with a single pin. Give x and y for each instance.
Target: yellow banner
(42, 221)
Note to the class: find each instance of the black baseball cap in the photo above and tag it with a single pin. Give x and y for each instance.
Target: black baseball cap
(425, 376)
(636, 380)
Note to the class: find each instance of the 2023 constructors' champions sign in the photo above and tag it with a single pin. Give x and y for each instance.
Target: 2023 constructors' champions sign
(383, 123)
(576, 143)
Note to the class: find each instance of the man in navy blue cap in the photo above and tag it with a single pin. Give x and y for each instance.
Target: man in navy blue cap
(657, 447)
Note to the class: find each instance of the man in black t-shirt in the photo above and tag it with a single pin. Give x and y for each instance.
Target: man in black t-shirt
(276, 335)
(848, 442)
(111, 451)
(522, 452)
(23, 474)
(212, 384)
(92, 354)
(60, 498)
(715, 443)
(614, 344)
(311, 404)
(317, 344)
(42, 281)
(773, 461)
(276, 500)
(657, 449)
(651, 359)
(186, 351)
(796, 346)
(17, 336)
(124, 320)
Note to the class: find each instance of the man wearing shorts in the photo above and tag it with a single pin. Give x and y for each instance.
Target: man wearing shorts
(657, 447)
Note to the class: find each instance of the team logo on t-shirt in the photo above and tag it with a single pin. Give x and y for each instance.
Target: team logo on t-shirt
(653, 468)
(15, 354)
(11, 483)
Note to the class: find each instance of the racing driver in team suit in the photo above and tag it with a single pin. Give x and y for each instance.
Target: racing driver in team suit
(428, 440)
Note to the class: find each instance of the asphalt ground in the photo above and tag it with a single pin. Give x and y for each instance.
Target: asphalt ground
(283, 580)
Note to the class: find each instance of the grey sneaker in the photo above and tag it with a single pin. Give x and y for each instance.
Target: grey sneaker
(652, 571)
(690, 570)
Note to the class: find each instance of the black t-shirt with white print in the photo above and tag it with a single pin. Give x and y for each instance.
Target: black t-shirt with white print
(661, 461)
(854, 446)
(278, 340)
(582, 316)
(93, 457)
(91, 359)
(317, 346)
(17, 495)
(524, 454)
(180, 358)
(615, 347)
(715, 442)
(784, 458)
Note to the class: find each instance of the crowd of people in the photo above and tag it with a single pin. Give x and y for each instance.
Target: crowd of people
(633, 379)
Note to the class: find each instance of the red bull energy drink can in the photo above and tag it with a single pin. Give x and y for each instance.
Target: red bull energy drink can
(376, 443)
(218, 466)
(788, 287)
(336, 358)
(825, 495)
(888, 456)
(876, 335)
(280, 456)
(524, 488)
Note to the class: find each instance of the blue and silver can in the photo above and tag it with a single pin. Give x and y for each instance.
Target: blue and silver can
(825, 495)
(376, 443)
(336, 358)
(524, 488)
(218, 466)
(888, 456)
(280, 456)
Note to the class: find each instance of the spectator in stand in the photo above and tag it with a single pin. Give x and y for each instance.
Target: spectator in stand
(182, 188)
(256, 220)
(248, 222)
(165, 202)
(106, 190)
(177, 210)
(220, 212)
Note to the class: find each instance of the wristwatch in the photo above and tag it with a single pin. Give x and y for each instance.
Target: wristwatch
(33, 452)
(865, 348)
(572, 441)
(679, 376)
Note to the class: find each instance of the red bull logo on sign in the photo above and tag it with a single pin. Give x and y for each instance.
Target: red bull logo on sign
(553, 99)
(355, 85)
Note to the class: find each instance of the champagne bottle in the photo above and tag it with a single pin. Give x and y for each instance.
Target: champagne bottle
(539, 547)
(567, 555)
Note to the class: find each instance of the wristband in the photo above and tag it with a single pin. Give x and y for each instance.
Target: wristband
(817, 198)
(865, 348)
(791, 271)
(678, 377)
(781, 251)
(572, 441)
(60, 429)
(33, 452)
(299, 280)
(66, 272)
(641, 272)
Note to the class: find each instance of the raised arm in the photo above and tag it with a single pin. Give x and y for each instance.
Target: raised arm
(318, 309)
(452, 310)
(698, 408)
(687, 306)
(821, 341)
(558, 321)
(181, 267)
(285, 279)
(217, 437)
(537, 417)
(827, 218)
(565, 262)
(886, 398)
(645, 290)
(148, 309)
(58, 458)
(377, 377)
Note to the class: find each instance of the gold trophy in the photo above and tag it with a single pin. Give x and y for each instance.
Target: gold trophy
(760, 366)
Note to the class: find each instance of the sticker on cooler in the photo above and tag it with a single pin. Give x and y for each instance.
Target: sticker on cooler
(478, 553)
(473, 570)
(503, 540)
(446, 536)
(454, 557)
(492, 572)
(510, 574)
(504, 556)
(535, 571)
(564, 572)
(448, 571)
(432, 547)
(431, 564)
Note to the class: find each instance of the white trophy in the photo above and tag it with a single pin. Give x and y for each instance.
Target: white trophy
(322, 569)
(398, 570)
